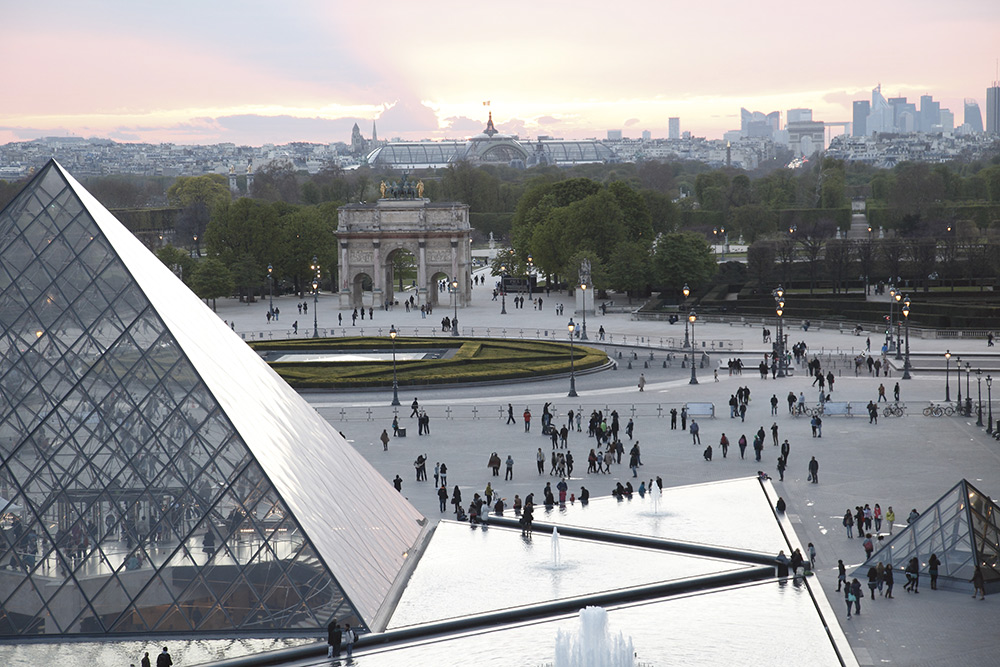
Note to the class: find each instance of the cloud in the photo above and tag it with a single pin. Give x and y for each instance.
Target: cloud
(405, 117)
(463, 124)
(547, 120)
(631, 121)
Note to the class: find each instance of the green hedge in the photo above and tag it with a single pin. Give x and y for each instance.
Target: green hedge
(475, 360)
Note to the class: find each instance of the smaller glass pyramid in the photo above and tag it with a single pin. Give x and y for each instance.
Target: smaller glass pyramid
(960, 528)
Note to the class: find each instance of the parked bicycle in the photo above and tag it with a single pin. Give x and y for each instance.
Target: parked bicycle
(894, 410)
(939, 410)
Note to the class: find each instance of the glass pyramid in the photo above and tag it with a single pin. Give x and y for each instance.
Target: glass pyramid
(961, 528)
(155, 474)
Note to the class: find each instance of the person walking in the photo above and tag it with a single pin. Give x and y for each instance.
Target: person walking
(510, 414)
(887, 577)
(414, 408)
(979, 583)
(742, 442)
(774, 433)
(849, 524)
(695, 436)
(333, 640)
(781, 469)
(527, 420)
(786, 448)
(858, 594)
(932, 569)
(841, 575)
(145, 661)
(349, 638)
(385, 440)
(164, 659)
(642, 382)
(443, 498)
(890, 518)
(724, 444)
(444, 475)
(540, 461)
(814, 470)
(912, 576)
(510, 468)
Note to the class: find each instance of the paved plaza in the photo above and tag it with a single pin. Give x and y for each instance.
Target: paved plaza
(906, 462)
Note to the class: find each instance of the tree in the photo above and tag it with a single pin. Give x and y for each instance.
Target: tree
(208, 190)
(680, 258)
(760, 263)
(752, 221)
(276, 181)
(838, 262)
(812, 236)
(212, 280)
(864, 250)
(629, 267)
(178, 261)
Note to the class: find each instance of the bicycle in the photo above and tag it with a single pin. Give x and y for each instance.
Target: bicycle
(933, 411)
(893, 411)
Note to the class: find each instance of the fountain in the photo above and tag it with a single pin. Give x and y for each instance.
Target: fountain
(592, 646)
(556, 553)
(655, 493)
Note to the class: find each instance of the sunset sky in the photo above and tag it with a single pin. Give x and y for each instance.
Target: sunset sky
(257, 72)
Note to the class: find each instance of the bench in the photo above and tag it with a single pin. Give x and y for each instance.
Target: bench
(837, 408)
(700, 409)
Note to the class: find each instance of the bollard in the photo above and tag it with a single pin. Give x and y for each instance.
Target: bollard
(650, 356)
(630, 364)
(664, 363)
(645, 364)
(619, 354)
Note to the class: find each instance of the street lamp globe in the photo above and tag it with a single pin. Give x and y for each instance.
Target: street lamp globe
(454, 298)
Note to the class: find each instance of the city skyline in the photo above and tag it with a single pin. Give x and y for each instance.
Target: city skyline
(197, 74)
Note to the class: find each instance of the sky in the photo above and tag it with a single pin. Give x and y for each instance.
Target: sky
(256, 72)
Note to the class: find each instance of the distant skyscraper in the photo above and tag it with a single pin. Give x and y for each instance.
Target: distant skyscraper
(675, 128)
(946, 120)
(614, 135)
(993, 108)
(930, 114)
(798, 116)
(646, 135)
(881, 118)
(758, 124)
(973, 116)
(859, 127)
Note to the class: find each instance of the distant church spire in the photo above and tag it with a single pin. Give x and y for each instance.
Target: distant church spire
(490, 128)
(374, 134)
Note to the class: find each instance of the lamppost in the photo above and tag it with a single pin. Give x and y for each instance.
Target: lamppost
(197, 248)
(395, 386)
(270, 287)
(315, 267)
(572, 367)
(686, 291)
(583, 329)
(527, 276)
(958, 383)
(692, 318)
(888, 329)
(899, 337)
(906, 318)
(989, 405)
(979, 383)
(503, 289)
(725, 239)
(779, 309)
(947, 367)
(454, 299)
(968, 392)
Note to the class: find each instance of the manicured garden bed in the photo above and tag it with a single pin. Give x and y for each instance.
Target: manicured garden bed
(473, 360)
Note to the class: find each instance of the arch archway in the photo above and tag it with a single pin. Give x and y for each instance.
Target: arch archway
(361, 290)
(400, 274)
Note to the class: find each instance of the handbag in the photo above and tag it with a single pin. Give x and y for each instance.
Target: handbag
(851, 597)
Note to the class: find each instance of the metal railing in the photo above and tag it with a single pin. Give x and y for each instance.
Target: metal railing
(556, 334)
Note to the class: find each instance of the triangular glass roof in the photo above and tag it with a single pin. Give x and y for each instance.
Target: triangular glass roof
(960, 528)
(155, 474)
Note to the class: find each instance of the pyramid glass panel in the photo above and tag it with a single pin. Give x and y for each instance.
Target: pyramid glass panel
(155, 474)
(960, 529)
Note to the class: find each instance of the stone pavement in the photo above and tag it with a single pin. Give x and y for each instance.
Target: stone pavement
(904, 462)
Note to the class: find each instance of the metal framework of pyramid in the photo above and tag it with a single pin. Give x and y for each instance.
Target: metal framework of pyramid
(961, 528)
(155, 474)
